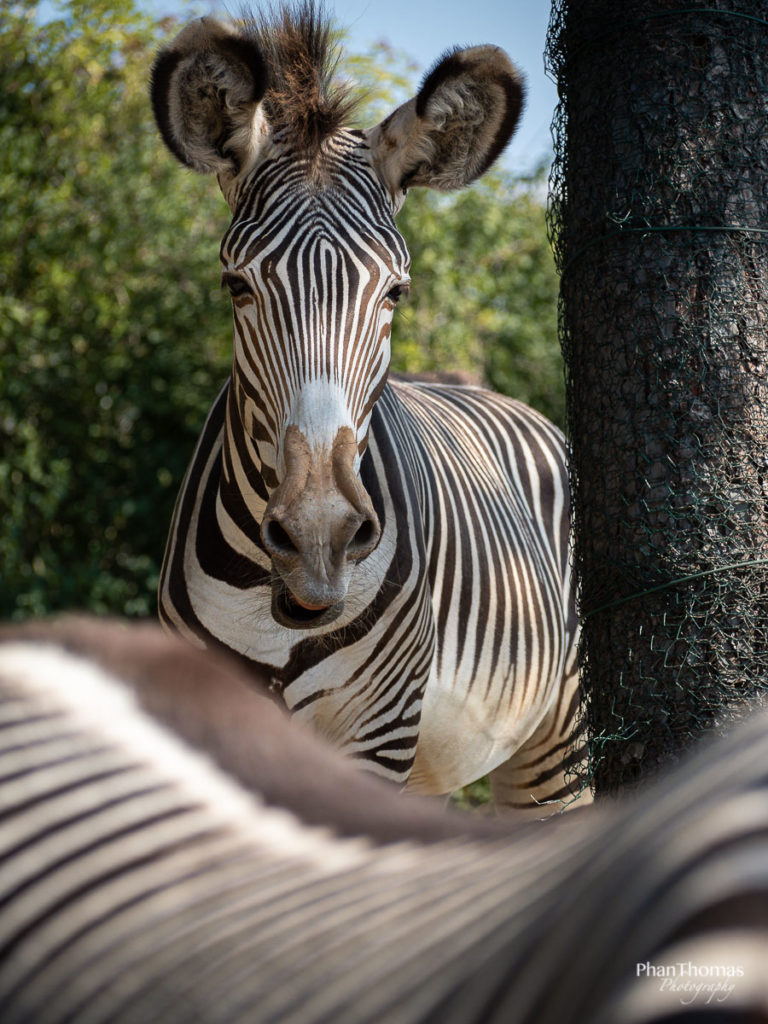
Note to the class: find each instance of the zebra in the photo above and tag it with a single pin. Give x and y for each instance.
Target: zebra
(164, 861)
(394, 554)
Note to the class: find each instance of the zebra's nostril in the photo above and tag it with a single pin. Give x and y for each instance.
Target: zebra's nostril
(277, 539)
(366, 536)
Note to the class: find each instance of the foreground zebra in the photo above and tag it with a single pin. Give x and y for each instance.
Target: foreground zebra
(393, 555)
(140, 882)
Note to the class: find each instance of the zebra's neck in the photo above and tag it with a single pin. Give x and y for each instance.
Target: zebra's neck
(243, 485)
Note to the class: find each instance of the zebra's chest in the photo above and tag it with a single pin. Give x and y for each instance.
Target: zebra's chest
(500, 651)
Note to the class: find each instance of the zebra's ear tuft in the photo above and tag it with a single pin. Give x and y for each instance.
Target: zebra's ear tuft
(206, 91)
(455, 127)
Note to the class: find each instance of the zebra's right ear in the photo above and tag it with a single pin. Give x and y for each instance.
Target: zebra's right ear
(206, 90)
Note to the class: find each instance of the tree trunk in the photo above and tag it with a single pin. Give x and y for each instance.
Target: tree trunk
(659, 217)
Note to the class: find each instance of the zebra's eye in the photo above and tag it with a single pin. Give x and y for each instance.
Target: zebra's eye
(235, 284)
(400, 291)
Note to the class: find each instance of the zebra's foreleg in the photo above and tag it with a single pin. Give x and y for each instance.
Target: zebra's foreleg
(544, 775)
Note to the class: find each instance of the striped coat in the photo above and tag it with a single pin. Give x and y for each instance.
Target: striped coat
(393, 555)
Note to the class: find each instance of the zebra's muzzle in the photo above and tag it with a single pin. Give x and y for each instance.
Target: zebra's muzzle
(318, 524)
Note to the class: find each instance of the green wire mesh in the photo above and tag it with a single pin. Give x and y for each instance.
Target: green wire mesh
(659, 219)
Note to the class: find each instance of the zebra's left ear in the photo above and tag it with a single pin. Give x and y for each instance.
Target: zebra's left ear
(455, 127)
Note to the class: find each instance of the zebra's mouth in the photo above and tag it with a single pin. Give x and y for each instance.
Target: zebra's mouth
(289, 612)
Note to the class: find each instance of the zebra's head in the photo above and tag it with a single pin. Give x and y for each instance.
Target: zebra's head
(314, 262)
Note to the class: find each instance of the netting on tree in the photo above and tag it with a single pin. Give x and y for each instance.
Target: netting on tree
(659, 218)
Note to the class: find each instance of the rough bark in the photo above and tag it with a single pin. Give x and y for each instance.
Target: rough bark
(659, 218)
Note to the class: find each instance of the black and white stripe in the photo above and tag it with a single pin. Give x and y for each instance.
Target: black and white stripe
(141, 882)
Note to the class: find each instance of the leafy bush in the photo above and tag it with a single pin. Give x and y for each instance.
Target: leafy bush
(113, 334)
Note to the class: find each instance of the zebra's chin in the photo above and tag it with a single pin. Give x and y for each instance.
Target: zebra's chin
(290, 613)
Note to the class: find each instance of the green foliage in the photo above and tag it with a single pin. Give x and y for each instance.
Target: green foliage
(475, 795)
(114, 337)
(484, 295)
(113, 334)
